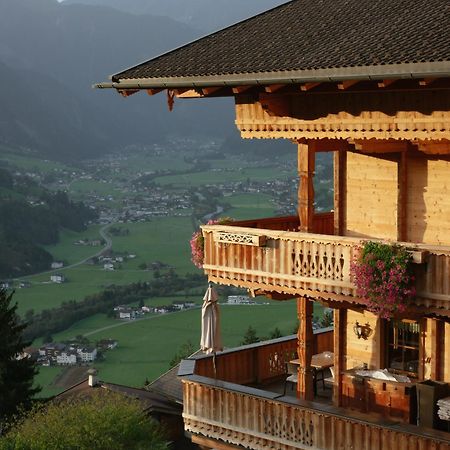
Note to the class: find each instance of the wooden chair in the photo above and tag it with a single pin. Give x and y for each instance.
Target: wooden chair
(292, 375)
(329, 380)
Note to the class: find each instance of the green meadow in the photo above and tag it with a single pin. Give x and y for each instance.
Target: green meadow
(146, 346)
(249, 206)
(65, 250)
(29, 162)
(213, 177)
(162, 239)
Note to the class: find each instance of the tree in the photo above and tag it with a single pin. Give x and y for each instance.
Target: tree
(184, 351)
(16, 375)
(250, 336)
(105, 420)
(276, 333)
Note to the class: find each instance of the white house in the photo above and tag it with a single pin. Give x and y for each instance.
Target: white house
(87, 354)
(127, 314)
(240, 300)
(57, 278)
(57, 264)
(108, 266)
(67, 358)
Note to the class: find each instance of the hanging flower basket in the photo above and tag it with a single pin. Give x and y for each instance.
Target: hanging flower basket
(197, 242)
(383, 277)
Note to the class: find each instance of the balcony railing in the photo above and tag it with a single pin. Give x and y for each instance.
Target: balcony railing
(278, 259)
(259, 364)
(230, 406)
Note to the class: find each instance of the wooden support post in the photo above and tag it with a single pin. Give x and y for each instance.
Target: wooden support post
(340, 326)
(402, 201)
(305, 385)
(340, 183)
(437, 348)
(306, 163)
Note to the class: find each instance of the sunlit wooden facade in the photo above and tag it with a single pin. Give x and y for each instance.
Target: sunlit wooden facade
(387, 124)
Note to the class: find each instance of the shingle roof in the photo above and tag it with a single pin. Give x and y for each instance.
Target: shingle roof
(313, 35)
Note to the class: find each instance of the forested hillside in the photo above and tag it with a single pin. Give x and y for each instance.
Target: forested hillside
(31, 216)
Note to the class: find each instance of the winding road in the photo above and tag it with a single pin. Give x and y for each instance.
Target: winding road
(108, 244)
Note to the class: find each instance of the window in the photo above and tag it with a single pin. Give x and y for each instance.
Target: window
(403, 346)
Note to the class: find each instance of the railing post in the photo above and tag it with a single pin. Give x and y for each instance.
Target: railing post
(340, 324)
(305, 385)
(306, 167)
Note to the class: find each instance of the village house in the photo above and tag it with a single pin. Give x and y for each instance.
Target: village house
(57, 278)
(127, 313)
(87, 354)
(108, 266)
(368, 81)
(240, 300)
(67, 358)
(57, 265)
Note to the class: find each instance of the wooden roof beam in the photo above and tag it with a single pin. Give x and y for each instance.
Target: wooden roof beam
(328, 145)
(308, 86)
(274, 88)
(426, 81)
(154, 91)
(127, 92)
(240, 89)
(441, 147)
(188, 93)
(386, 83)
(343, 85)
(381, 146)
(210, 90)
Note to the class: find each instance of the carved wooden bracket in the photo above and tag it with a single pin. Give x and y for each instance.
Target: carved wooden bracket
(240, 238)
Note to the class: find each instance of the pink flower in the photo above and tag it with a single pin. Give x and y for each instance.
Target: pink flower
(197, 242)
(383, 278)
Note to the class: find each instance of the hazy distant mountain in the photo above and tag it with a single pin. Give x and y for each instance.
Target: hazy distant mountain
(40, 114)
(51, 55)
(205, 15)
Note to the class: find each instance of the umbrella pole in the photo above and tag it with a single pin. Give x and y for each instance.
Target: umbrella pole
(214, 364)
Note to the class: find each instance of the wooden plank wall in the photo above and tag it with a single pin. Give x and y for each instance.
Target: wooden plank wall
(427, 351)
(428, 200)
(371, 197)
(446, 354)
(361, 351)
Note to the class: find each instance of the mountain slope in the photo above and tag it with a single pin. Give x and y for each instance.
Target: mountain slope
(205, 15)
(52, 53)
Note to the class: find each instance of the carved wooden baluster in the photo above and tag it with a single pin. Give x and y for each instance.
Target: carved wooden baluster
(305, 349)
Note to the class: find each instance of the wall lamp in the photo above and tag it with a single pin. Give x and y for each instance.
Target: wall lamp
(362, 331)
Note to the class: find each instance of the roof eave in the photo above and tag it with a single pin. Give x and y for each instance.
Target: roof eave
(437, 69)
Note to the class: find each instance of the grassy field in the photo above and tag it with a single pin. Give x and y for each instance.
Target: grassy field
(65, 250)
(80, 188)
(138, 162)
(147, 346)
(249, 206)
(29, 162)
(164, 239)
(45, 379)
(213, 177)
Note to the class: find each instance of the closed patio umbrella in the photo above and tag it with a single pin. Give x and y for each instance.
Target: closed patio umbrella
(211, 340)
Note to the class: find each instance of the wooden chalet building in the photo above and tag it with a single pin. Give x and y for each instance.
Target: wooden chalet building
(368, 80)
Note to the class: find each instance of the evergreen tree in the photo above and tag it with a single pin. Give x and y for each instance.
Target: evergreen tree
(276, 333)
(250, 336)
(16, 375)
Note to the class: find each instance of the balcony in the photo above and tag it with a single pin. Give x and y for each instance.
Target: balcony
(269, 256)
(236, 405)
